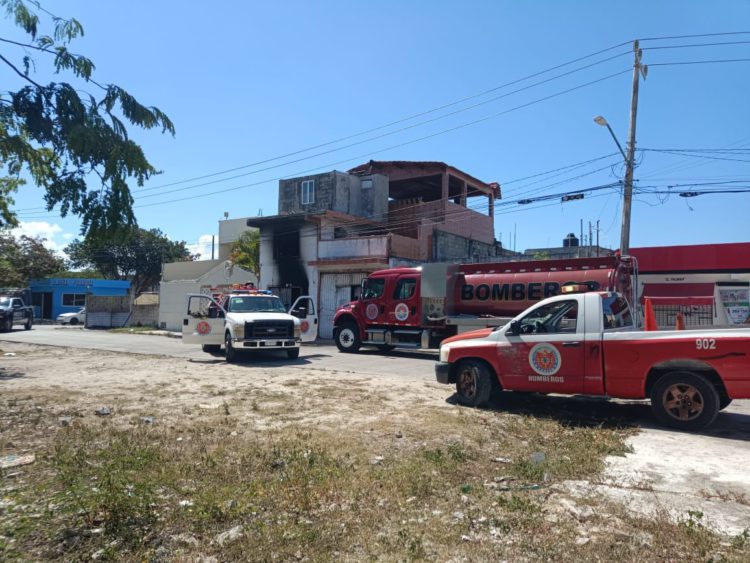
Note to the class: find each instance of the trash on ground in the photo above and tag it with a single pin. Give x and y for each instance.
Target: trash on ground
(12, 460)
(103, 411)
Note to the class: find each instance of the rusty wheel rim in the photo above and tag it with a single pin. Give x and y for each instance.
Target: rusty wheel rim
(683, 401)
(467, 382)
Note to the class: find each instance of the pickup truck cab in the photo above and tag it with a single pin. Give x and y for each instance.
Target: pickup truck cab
(587, 344)
(248, 320)
(14, 312)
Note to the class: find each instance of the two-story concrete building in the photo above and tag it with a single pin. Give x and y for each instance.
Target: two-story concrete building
(335, 228)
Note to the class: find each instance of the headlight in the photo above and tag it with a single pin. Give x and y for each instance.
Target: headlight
(444, 352)
(297, 330)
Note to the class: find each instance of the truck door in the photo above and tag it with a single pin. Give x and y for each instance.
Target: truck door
(548, 353)
(203, 322)
(304, 309)
(374, 300)
(403, 309)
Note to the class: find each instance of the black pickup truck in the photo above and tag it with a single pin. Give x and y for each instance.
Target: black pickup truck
(14, 312)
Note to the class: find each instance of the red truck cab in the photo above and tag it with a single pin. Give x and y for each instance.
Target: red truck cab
(587, 344)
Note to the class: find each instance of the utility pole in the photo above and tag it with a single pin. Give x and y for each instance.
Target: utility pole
(590, 239)
(638, 69)
(597, 238)
(212, 247)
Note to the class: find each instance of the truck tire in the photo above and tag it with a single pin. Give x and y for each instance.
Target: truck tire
(473, 383)
(684, 400)
(347, 337)
(724, 402)
(211, 348)
(28, 324)
(8, 326)
(230, 354)
(292, 353)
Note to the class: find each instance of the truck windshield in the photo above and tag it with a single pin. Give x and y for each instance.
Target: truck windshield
(254, 304)
(4, 301)
(372, 288)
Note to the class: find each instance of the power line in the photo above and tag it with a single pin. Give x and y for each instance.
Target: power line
(696, 45)
(663, 37)
(701, 62)
(403, 119)
(380, 136)
(438, 133)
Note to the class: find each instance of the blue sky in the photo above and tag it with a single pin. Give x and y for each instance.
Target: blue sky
(249, 81)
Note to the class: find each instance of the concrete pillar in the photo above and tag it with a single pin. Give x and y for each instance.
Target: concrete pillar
(463, 193)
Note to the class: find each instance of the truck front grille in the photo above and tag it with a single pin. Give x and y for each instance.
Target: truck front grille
(269, 329)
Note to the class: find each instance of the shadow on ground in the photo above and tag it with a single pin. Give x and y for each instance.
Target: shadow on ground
(9, 374)
(586, 411)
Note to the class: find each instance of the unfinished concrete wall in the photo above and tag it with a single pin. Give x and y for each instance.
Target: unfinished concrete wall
(290, 194)
(107, 311)
(145, 315)
(449, 247)
(362, 196)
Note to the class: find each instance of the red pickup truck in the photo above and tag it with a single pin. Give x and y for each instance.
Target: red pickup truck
(587, 344)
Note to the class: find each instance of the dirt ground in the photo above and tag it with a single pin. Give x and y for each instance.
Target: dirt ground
(401, 472)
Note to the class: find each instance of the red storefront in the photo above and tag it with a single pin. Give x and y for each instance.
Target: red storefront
(708, 283)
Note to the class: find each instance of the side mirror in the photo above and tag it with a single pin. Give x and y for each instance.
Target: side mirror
(300, 312)
(515, 328)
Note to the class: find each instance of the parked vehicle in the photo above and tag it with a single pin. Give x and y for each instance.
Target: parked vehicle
(588, 344)
(419, 307)
(248, 319)
(13, 311)
(73, 318)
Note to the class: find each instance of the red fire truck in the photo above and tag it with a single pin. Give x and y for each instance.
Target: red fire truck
(588, 344)
(419, 307)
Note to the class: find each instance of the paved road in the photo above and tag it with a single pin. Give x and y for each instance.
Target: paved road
(319, 356)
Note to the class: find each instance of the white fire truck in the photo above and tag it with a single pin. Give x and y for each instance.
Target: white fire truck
(244, 319)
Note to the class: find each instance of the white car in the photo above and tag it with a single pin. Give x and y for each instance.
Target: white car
(73, 318)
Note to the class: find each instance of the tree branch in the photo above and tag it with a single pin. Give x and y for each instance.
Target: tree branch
(21, 74)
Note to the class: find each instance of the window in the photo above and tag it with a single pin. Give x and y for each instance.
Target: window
(74, 299)
(616, 312)
(558, 317)
(308, 192)
(373, 288)
(405, 288)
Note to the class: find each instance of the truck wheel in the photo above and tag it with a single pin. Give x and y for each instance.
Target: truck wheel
(8, 325)
(347, 337)
(684, 400)
(230, 354)
(28, 324)
(724, 402)
(211, 348)
(292, 354)
(473, 383)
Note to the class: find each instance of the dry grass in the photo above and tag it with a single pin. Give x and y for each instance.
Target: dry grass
(308, 468)
(449, 484)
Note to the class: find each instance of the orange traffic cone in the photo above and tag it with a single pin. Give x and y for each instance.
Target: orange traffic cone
(679, 322)
(649, 319)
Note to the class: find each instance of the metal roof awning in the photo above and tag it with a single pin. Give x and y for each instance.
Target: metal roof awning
(679, 293)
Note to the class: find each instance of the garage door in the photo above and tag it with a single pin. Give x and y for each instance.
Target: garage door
(335, 290)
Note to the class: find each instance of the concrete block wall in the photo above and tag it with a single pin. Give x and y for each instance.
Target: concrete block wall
(449, 247)
(145, 315)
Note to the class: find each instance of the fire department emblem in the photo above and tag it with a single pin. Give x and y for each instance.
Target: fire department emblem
(372, 311)
(402, 312)
(203, 328)
(545, 359)
(304, 326)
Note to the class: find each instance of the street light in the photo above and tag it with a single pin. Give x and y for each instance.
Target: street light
(627, 183)
(599, 120)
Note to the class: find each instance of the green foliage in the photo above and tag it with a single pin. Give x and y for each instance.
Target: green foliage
(25, 258)
(134, 254)
(543, 255)
(62, 140)
(246, 252)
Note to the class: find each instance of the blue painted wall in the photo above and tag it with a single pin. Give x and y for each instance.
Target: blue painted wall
(54, 295)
